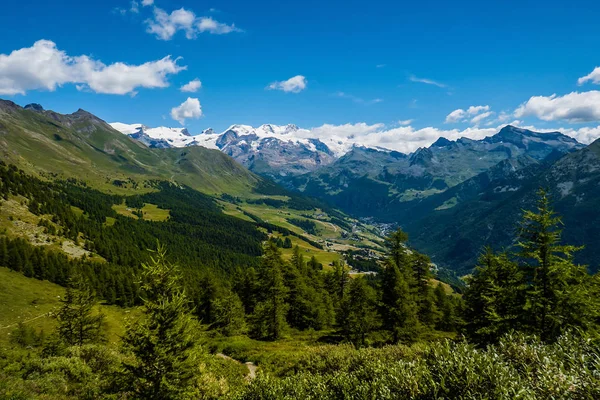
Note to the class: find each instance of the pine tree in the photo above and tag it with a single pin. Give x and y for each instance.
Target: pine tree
(399, 308)
(77, 325)
(162, 343)
(358, 316)
(246, 287)
(314, 265)
(494, 298)
(558, 289)
(421, 268)
(228, 313)
(269, 317)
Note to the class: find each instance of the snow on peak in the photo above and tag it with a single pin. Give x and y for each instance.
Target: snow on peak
(291, 134)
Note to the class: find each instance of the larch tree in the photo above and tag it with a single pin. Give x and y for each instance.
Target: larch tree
(77, 323)
(162, 344)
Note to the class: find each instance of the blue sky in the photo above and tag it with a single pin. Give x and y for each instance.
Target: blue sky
(376, 62)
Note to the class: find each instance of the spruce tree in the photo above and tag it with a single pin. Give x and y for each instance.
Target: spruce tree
(558, 289)
(228, 311)
(421, 268)
(357, 315)
(494, 298)
(162, 343)
(77, 324)
(399, 308)
(269, 317)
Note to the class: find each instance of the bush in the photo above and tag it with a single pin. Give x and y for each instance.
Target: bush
(517, 368)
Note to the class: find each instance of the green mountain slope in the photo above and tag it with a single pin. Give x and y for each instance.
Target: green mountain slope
(455, 236)
(82, 146)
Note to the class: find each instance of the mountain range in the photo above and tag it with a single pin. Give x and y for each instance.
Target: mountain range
(269, 150)
(452, 197)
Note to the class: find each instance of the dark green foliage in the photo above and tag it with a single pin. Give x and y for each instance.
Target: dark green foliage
(269, 317)
(495, 298)
(287, 243)
(357, 315)
(398, 292)
(310, 305)
(77, 323)
(198, 235)
(557, 293)
(307, 225)
(228, 314)
(539, 290)
(162, 342)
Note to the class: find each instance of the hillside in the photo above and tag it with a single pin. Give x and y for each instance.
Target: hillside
(454, 236)
(372, 183)
(82, 146)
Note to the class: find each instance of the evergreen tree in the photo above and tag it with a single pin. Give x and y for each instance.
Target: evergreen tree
(421, 268)
(269, 317)
(494, 299)
(558, 293)
(77, 325)
(210, 289)
(162, 343)
(314, 265)
(358, 316)
(337, 280)
(229, 316)
(399, 308)
(246, 286)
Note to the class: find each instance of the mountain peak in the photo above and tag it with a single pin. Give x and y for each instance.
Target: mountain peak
(34, 107)
(442, 142)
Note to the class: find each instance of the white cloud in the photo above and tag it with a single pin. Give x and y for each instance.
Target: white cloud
(357, 99)
(476, 120)
(474, 112)
(574, 107)
(190, 108)
(135, 7)
(405, 122)
(413, 78)
(192, 86)
(146, 3)
(381, 65)
(407, 139)
(43, 66)
(208, 24)
(593, 77)
(455, 116)
(295, 84)
(165, 25)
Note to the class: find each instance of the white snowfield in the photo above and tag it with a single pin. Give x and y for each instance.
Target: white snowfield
(240, 135)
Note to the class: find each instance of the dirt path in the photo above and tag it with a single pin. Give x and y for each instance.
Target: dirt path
(250, 365)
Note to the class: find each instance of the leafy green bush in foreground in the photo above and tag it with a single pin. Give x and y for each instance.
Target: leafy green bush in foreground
(515, 368)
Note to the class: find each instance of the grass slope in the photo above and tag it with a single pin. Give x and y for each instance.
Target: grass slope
(33, 302)
(82, 146)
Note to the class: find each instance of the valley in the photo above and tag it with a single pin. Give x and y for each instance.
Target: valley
(279, 268)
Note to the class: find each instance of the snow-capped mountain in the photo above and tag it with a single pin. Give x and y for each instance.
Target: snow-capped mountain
(269, 149)
(164, 137)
